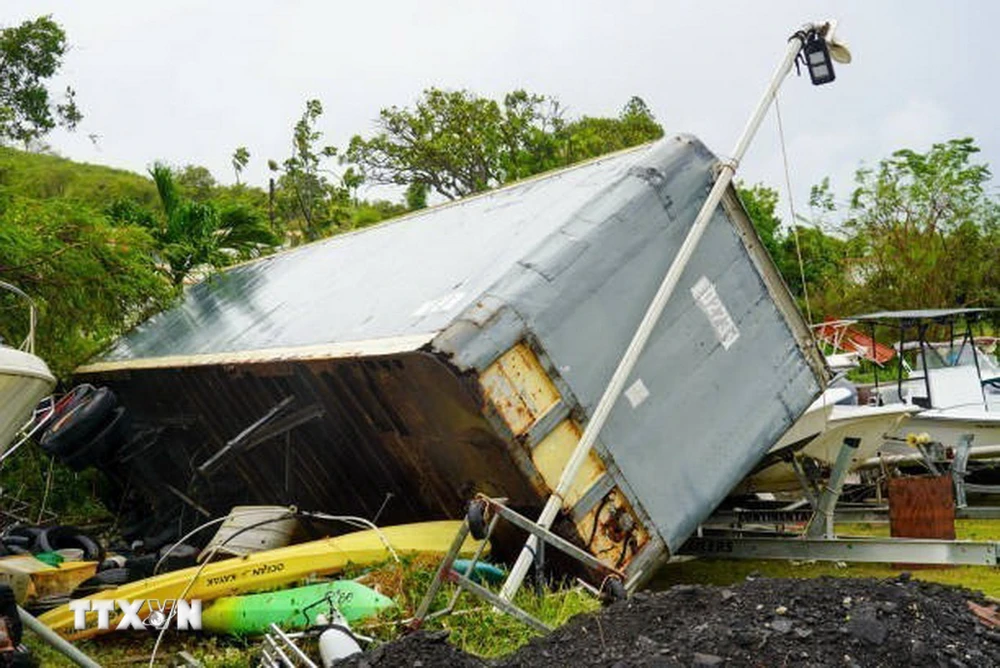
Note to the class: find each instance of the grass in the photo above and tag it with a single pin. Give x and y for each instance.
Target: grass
(722, 572)
(477, 628)
(474, 626)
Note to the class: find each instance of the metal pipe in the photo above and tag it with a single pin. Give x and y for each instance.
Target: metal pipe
(821, 523)
(649, 320)
(291, 645)
(57, 642)
(922, 334)
(975, 359)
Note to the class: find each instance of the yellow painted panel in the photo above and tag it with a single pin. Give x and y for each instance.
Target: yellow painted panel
(550, 457)
(519, 389)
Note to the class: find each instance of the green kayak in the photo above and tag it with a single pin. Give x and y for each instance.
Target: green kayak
(292, 608)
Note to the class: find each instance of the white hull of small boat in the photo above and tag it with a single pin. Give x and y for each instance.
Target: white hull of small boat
(946, 426)
(869, 424)
(24, 381)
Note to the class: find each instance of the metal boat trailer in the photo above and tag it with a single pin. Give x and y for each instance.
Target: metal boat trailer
(738, 545)
(856, 513)
(744, 539)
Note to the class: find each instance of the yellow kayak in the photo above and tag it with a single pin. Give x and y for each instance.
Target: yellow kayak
(263, 571)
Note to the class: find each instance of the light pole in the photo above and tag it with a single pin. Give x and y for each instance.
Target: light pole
(813, 45)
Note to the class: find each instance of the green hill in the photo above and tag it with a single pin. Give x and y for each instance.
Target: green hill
(42, 177)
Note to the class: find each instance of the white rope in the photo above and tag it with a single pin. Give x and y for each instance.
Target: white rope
(359, 522)
(791, 209)
(207, 524)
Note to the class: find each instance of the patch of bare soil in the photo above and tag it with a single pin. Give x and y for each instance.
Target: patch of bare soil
(760, 623)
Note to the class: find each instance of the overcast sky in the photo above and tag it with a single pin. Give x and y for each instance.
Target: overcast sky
(187, 81)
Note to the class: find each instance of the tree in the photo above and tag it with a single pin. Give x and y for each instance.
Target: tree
(193, 235)
(590, 137)
(321, 203)
(926, 227)
(456, 143)
(196, 182)
(241, 156)
(30, 55)
(91, 280)
(822, 255)
(760, 203)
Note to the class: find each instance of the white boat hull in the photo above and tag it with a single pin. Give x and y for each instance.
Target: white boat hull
(869, 424)
(946, 426)
(24, 381)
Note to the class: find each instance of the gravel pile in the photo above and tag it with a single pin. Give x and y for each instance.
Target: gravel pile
(763, 622)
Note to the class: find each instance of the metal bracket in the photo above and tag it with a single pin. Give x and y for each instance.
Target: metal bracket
(446, 574)
(874, 550)
(265, 428)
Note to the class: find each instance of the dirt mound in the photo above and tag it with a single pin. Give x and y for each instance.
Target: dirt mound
(426, 649)
(764, 622)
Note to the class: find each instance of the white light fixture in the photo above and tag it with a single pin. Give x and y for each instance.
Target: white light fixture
(838, 49)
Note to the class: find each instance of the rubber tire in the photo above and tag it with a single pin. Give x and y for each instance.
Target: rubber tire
(104, 444)
(476, 517)
(104, 580)
(71, 399)
(182, 556)
(612, 591)
(80, 423)
(59, 537)
(24, 658)
(21, 538)
(8, 609)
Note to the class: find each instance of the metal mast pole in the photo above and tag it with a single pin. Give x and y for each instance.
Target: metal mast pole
(642, 334)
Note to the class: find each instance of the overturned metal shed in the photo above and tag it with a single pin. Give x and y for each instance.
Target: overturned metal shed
(460, 350)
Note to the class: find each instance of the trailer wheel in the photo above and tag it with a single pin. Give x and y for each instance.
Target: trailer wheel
(476, 517)
(113, 432)
(110, 578)
(8, 609)
(60, 537)
(79, 422)
(613, 590)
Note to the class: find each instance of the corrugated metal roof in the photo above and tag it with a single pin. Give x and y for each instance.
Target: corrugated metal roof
(406, 277)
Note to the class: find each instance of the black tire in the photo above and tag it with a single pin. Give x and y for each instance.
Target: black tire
(103, 445)
(23, 658)
(108, 579)
(69, 401)
(21, 539)
(612, 591)
(8, 609)
(182, 556)
(60, 537)
(476, 517)
(79, 423)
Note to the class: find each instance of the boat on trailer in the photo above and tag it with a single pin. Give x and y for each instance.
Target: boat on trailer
(806, 453)
(956, 384)
(25, 379)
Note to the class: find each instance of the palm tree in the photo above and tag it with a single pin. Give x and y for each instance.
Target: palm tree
(194, 235)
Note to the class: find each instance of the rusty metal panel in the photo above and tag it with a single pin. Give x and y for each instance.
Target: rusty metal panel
(404, 426)
(519, 389)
